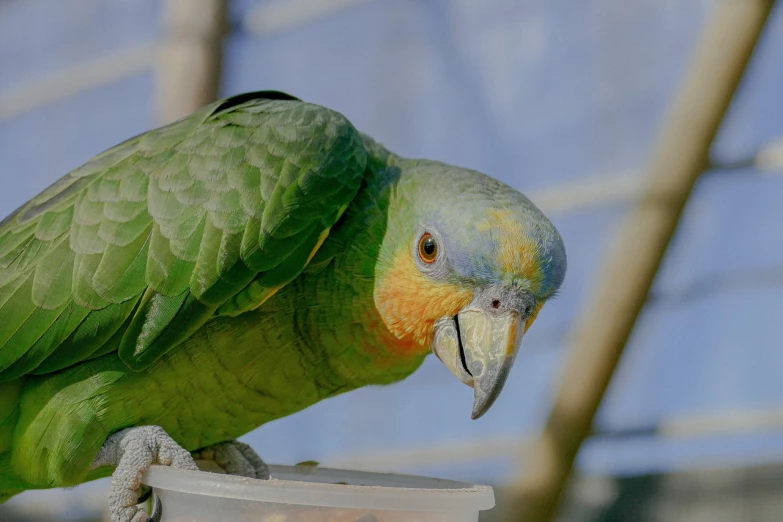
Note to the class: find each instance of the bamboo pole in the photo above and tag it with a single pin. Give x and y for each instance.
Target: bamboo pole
(607, 322)
(189, 66)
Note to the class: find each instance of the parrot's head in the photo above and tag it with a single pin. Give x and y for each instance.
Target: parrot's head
(465, 266)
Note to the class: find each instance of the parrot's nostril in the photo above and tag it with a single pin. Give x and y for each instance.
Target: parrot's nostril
(496, 304)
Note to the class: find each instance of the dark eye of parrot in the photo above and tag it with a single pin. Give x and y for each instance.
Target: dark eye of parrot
(428, 248)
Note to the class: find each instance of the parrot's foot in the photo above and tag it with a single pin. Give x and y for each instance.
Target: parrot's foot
(236, 458)
(132, 451)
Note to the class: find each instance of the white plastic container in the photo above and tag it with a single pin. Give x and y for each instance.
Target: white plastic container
(312, 494)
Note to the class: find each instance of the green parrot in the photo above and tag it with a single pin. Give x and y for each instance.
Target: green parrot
(237, 266)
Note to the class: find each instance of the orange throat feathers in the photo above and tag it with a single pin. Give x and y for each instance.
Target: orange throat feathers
(410, 304)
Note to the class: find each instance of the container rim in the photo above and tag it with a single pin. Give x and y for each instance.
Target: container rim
(313, 486)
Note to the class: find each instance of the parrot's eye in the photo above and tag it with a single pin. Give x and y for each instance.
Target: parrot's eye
(428, 248)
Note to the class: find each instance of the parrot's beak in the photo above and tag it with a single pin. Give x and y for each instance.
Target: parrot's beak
(479, 347)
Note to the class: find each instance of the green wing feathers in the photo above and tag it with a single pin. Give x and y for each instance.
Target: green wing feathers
(138, 248)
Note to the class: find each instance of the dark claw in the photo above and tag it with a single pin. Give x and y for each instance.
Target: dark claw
(146, 491)
(157, 509)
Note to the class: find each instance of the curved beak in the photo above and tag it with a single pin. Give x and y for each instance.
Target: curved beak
(479, 347)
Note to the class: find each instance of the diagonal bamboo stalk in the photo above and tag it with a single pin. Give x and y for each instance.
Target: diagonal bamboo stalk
(679, 158)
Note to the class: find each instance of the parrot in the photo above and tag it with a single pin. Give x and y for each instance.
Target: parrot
(239, 265)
